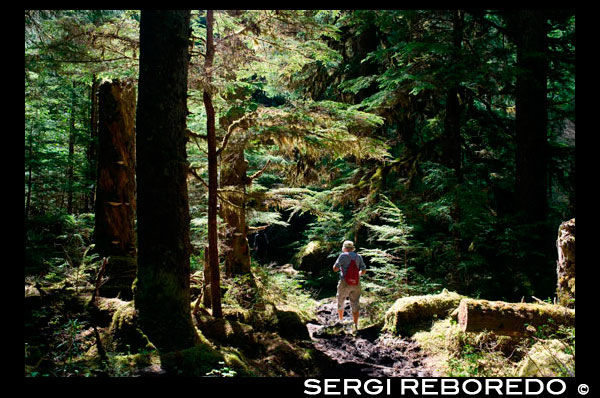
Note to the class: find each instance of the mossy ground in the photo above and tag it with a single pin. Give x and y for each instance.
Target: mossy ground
(263, 333)
(454, 353)
(263, 336)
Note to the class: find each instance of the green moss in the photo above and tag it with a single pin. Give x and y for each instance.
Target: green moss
(164, 315)
(125, 331)
(195, 361)
(410, 314)
(547, 358)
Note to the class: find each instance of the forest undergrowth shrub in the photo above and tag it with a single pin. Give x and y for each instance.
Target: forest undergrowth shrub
(390, 254)
(67, 256)
(287, 291)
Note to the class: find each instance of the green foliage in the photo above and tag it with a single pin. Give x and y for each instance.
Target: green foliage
(223, 371)
(347, 111)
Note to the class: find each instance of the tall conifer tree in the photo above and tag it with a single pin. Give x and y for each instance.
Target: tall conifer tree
(162, 293)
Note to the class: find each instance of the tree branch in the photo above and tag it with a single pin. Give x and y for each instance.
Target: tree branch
(190, 133)
(258, 173)
(230, 129)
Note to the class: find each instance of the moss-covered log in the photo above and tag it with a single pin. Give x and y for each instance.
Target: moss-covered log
(511, 319)
(410, 314)
(565, 266)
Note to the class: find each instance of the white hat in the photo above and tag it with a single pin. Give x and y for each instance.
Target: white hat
(348, 244)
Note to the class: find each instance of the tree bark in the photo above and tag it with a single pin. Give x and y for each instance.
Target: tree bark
(207, 296)
(213, 255)
(70, 161)
(530, 29)
(565, 268)
(452, 140)
(114, 232)
(162, 289)
(511, 319)
(452, 137)
(233, 209)
(92, 152)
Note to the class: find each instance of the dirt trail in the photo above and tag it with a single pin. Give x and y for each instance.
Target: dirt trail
(366, 352)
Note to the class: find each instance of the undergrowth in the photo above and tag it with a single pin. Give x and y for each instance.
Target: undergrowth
(460, 354)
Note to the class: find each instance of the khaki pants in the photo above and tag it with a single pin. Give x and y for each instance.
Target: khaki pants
(348, 291)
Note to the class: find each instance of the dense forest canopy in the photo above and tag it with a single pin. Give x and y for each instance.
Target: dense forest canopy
(442, 142)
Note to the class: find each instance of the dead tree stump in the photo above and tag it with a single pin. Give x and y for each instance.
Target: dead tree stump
(565, 265)
(114, 230)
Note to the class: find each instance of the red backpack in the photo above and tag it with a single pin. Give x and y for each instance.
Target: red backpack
(352, 274)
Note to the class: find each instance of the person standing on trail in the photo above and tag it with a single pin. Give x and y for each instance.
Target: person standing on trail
(351, 266)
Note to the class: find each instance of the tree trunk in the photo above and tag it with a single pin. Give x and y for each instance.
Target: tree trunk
(233, 209)
(71, 156)
(213, 255)
(91, 153)
(511, 319)
(452, 138)
(451, 144)
(565, 269)
(207, 296)
(531, 114)
(29, 181)
(162, 288)
(114, 232)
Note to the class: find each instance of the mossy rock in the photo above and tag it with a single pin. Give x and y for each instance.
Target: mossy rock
(264, 319)
(103, 312)
(291, 326)
(195, 361)
(125, 330)
(547, 358)
(229, 333)
(411, 314)
(288, 324)
(315, 255)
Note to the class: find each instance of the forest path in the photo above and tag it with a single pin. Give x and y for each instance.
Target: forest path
(366, 352)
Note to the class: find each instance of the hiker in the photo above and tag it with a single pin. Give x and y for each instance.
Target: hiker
(349, 284)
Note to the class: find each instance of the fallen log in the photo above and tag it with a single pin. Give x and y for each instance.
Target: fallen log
(413, 313)
(511, 319)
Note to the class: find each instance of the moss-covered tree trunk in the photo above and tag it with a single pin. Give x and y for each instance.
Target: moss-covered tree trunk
(114, 232)
(162, 290)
